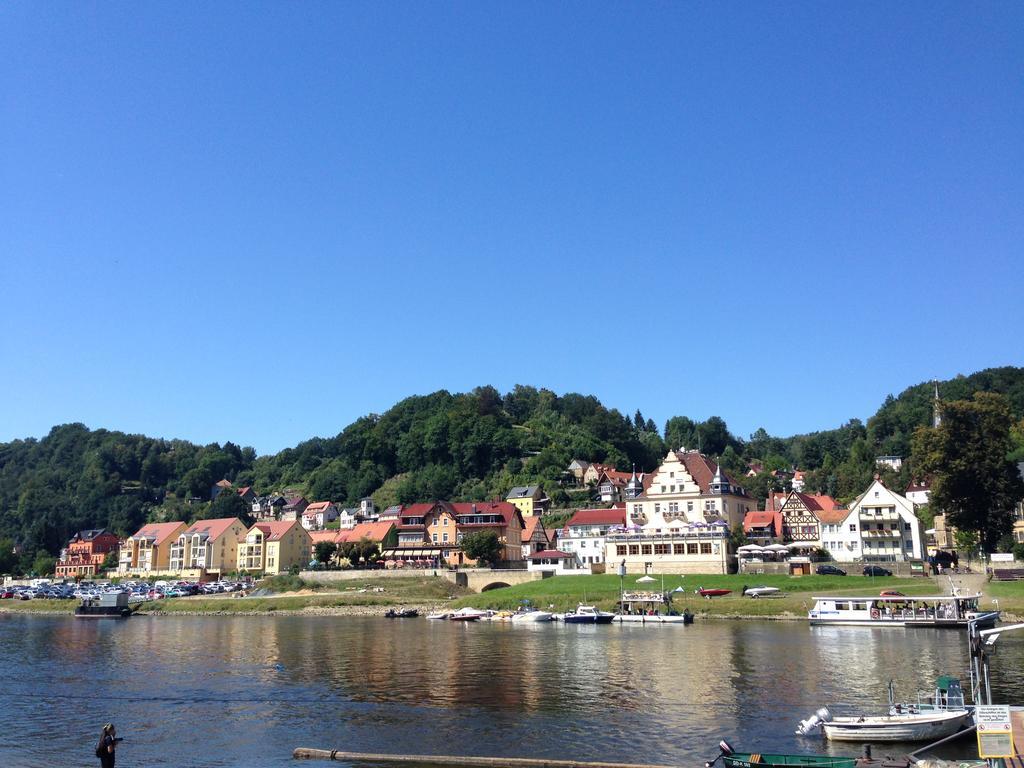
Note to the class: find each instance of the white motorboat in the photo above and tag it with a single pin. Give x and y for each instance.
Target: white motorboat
(923, 726)
(440, 615)
(587, 614)
(468, 614)
(762, 591)
(528, 616)
(938, 714)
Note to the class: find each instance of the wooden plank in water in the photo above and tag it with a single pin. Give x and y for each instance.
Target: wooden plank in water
(305, 753)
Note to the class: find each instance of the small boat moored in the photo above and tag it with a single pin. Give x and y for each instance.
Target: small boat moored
(401, 613)
(111, 605)
(762, 591)
(588, 614)
(732, 759)
(709, 593)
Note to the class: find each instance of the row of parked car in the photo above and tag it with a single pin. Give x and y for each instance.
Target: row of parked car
(136, 590)
(869, 570)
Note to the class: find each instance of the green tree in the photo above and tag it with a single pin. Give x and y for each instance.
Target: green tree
(44, 564)
(973, 481)
(8, 560)
(229, 504)
(737, 537)
(110, 561)
(324, 551)
(482, 546)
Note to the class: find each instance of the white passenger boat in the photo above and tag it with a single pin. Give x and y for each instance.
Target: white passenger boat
(901, 611)
(649, 608)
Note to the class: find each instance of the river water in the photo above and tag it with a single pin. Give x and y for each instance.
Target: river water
(245, 691)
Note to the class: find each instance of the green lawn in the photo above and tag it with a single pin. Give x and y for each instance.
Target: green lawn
(1010, 595)
(564, 592)
(38, 606)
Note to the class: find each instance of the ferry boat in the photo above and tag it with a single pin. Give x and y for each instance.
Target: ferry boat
(113, 605)
(952, 611)
(649, 608)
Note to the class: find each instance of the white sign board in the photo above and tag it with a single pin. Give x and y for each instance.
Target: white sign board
(1001, 557)
(992, 718)
(995, 734)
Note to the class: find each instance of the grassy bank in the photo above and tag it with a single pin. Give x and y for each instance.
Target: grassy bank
(364, 593)
(565, 592)
(38, 606)
(1010, 595)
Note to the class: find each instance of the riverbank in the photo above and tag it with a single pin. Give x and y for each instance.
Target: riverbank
(427, 594)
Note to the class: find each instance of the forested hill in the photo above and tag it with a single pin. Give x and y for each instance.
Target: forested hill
(474, 445)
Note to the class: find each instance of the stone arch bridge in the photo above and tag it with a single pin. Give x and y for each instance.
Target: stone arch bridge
(484, 579)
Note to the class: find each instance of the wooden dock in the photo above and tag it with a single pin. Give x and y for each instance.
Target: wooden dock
(304, 753)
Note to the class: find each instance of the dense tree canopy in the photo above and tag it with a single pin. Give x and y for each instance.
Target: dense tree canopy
(967, 456)
(468, 446)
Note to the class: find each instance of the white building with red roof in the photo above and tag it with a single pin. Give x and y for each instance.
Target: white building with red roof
(149, 549)
(585, 532)
(207, 547)
(555, 562)
(318, 514)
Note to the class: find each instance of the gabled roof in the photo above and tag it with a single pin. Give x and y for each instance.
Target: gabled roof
(158, 532)
(531, 525)
(372, 531)
(90, 534)
(223, 484)
(274, 530)
(245, 490)
(317, 506)
(758, 519)
(332, 537)
(615, 477)
(551, 554)
(614, 516)
(523, 492)
(702, 470)
(212, 528)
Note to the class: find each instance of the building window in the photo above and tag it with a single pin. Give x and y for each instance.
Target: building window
(853, 527)
(634, 549)
(435, 538)
(705, 548)
(673, 507)
(444, 521)
(645, 549)
(620, 549)
(444, 537)
(638, 509)
(657, 508)
(661, 549)
(689, 506)
(691, 548)
(679, 549)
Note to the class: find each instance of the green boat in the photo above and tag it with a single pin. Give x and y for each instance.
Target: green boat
(732, 759)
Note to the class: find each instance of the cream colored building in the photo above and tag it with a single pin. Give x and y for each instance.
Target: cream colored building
(207, 546)
(149, 550)
(274, 547)
(688, 486)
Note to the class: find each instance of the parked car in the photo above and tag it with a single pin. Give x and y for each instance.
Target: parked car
(891, 593)
(876, 570)
(829, 570)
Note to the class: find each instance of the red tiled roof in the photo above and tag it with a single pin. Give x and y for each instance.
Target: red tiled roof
(333, 537)
(550, 554)
(530, 526)
(616, 477)
(275, 529)
(614, 516)
(223, 484)
(158, 531)
(371, 531)
(243, 491)
(317, 506)
(758, 519)
(415, 510)
(213, 528)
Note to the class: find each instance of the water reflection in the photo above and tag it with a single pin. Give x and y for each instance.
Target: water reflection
(246, 690)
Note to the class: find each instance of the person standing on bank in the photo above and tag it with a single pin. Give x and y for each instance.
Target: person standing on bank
(107, 745)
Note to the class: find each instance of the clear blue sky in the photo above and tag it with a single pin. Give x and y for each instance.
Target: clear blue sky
(258, 221)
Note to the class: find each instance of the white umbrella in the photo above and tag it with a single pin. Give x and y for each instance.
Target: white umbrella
(750, 548)
(777, 548)
(645, 580)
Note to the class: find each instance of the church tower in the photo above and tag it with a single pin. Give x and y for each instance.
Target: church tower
(936, 408)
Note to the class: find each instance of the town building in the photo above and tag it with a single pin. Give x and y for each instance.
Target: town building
(218, 487)
(918, 492)
(799, 480)
(268, 507)
(317, 515)
(434, 531)
(880, 527)
(84, 555)
(593, 473)
(384, 533)
(691, 487)
(149, 549)
(555, 562)
(207, 547)
(247, 494)
(675, 545)
(274, 547)
(533, 536)
(530, 500)
(893, 462)
(611, 485)
(585, 532)
(577, 469)
(294, 509)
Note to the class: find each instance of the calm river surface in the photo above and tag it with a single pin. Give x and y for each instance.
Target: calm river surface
(245, 691)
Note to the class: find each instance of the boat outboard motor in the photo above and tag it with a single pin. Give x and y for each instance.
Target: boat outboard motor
(725, 749)
(814, 722)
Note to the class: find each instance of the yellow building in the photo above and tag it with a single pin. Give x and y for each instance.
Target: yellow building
(208, 546)
(528, 499)
(150, 549)
(274, 547)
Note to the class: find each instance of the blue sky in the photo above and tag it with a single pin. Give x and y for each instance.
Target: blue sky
(258, 221)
